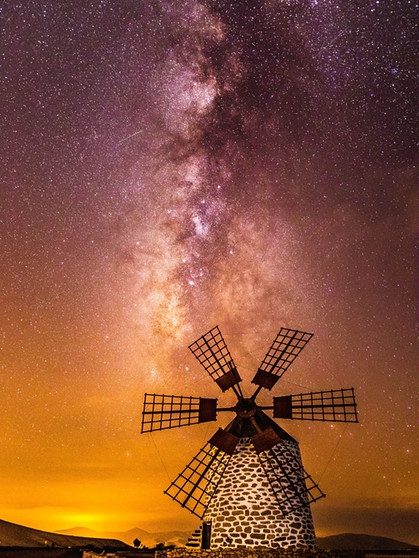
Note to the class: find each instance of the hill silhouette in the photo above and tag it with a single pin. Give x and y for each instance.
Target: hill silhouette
(150, 540)
(357, 541)
(12, 534)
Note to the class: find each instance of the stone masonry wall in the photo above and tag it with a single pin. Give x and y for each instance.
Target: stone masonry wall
(245, 510)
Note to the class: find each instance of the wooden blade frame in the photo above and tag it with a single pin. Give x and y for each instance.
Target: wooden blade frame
(213, 354)
(196, 484)
(286, 347)
(335, 406)
(171, 411)
(293, 487)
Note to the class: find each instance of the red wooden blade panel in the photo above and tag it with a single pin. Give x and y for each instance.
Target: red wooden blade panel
(224, 441)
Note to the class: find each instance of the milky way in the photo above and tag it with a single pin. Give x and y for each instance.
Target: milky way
(170, 166)
(259, 106)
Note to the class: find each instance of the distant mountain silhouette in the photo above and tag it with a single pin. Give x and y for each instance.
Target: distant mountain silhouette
(12, 534)
(355, 541)
(178, 538)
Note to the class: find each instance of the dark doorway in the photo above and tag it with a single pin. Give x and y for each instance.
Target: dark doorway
(206, 535)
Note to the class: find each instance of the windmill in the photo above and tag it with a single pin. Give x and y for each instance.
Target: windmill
(248, 484)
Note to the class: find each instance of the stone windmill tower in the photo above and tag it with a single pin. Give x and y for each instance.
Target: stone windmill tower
(247, 483)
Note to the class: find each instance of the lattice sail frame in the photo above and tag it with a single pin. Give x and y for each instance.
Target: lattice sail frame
(286, 346)
(336, 405)
(293, 487)
(213, 354)
(196, 484)
(161, 412)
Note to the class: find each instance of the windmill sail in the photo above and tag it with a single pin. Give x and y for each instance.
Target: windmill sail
(213, 354)
(292, 485)
(286, 347)
(196, 484)
(337, 405)
(170, 411)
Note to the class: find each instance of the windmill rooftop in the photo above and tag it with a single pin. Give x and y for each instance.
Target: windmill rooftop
(248, 484)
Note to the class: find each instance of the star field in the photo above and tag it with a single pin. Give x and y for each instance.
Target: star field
(168, 166)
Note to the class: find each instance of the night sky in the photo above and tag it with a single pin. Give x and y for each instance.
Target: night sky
(168, 166)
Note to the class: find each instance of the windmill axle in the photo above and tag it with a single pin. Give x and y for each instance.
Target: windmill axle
(246, 408)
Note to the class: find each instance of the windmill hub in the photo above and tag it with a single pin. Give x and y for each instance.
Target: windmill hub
(246, 408)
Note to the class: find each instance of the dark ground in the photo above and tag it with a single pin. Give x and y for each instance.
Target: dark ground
(40, 553)
(66, 553)
(131, 553)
